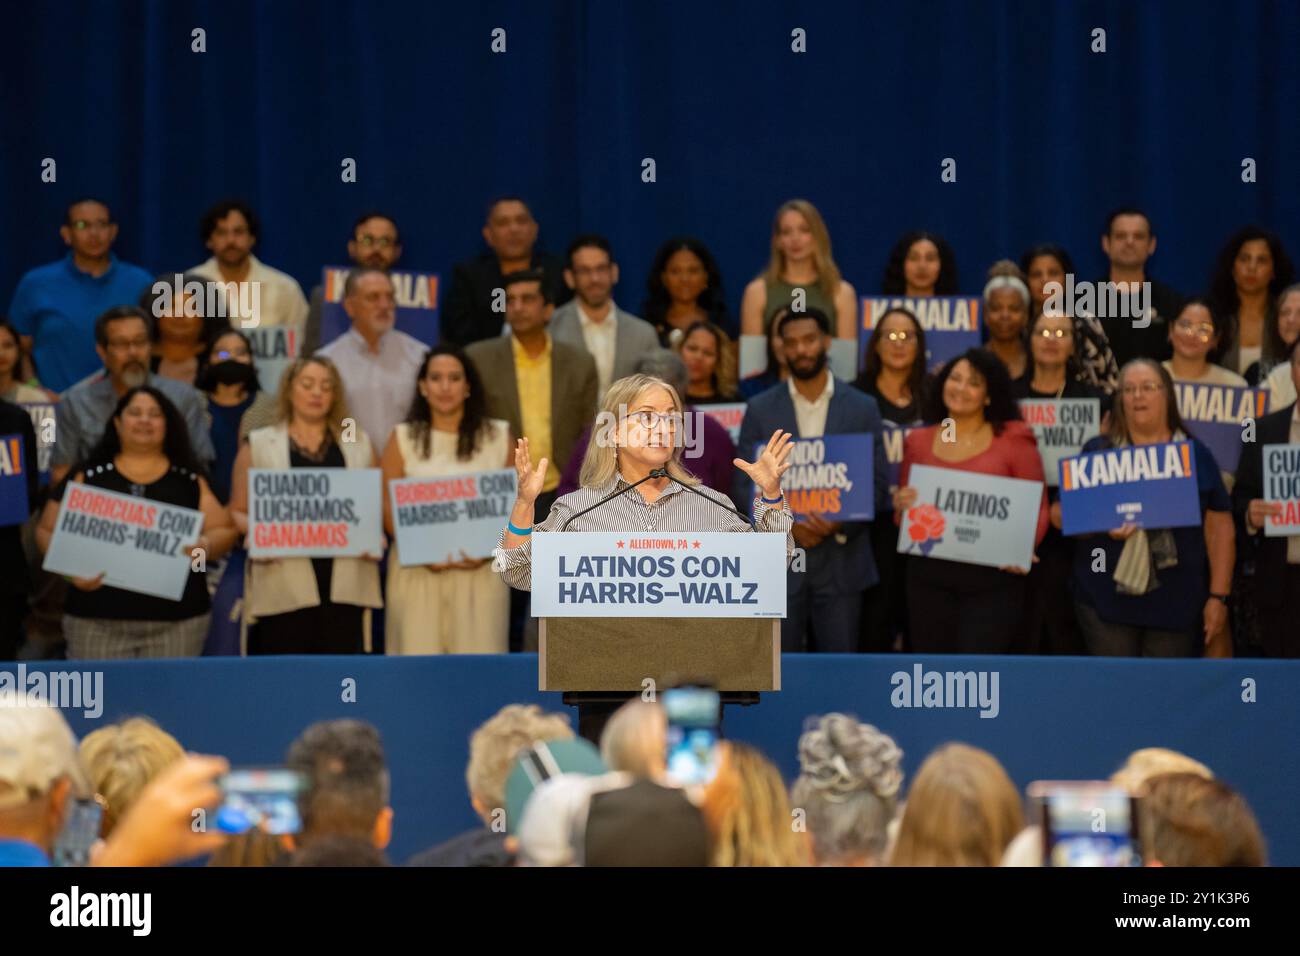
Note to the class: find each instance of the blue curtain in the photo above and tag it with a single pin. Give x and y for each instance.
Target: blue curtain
(1047, 135)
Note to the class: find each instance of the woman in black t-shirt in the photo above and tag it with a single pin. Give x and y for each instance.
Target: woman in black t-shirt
(145, 451)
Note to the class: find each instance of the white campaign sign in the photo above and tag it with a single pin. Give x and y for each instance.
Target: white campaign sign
(665, 574)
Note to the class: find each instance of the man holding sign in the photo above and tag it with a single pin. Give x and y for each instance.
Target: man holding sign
(1266, 499)
(811, 405)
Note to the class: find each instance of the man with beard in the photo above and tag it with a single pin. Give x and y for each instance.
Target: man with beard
(826, 597)
(123, 343)
(230, 229)
(375, 244)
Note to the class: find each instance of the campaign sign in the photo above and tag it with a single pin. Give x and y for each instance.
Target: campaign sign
(664, 574)
(1282, 485)
(14, 506)
(136, 543)
(893, 438)
(314, 513)
(1152, 486)
(438, 518)
(417, 304)
(1215, 413)
(274, 348)
(970, 517)
(43, 418)
(728, 414)
(1062, 426)
(951, 323)
(831, 476)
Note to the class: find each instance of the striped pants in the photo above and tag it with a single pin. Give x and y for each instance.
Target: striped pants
(97, 638)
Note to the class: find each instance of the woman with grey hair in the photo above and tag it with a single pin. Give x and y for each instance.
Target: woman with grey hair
(850, 776)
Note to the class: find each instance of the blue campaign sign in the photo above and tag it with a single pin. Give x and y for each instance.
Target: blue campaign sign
(14, 505)
(417, 304)
(1152, 486)
(831, 476)
(1215, 414)
(951, 323)
(42, 415)
(893, 437)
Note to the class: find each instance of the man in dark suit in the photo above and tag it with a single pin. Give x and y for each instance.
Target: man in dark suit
(469, 314)
(1277, 560)
(827, 596)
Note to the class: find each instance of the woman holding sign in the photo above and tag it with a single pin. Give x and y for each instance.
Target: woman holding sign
(145, 452)
(974, 426)
(307, 605)
(1145, 592)
(461, 606)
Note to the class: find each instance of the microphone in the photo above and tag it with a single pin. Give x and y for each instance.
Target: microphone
(656, 473)
(727, 508)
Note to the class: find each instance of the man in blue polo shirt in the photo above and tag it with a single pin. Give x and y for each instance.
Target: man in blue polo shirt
(55, 306)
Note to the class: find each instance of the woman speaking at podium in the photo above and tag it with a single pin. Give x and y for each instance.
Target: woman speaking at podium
(633, 479)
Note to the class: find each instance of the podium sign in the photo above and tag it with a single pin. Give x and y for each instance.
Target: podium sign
(665, 574)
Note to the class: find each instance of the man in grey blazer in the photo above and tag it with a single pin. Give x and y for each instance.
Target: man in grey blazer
(616, 340)
(826, 597)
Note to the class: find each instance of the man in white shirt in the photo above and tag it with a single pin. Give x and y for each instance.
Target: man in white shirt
(615, 339)
(260, 295)
(378, 363)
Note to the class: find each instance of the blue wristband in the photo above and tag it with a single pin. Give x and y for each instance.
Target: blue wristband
(510, 526)
(773, 501)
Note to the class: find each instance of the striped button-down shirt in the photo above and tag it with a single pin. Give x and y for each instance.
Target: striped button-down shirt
(676, 509)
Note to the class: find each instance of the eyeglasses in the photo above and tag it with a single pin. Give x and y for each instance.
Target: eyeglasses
(383, 242)
(648, 419)
(1056, 333)
(1203, 329)
(150, 413)
(1146, 388)
(127, 345)
(224, 356)
(898, 336)
(81, 225)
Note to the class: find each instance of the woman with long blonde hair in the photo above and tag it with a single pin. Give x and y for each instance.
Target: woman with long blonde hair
(748, 813)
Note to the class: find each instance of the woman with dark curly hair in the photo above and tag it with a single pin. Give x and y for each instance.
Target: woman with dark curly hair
(684, 287)
(973, 424)
(1048, 262)
(1252, 270)
(920, 264)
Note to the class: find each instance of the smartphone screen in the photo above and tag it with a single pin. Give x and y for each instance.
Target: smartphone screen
(1086, 824)
(80, 831)
(694, 714)
(261, 798)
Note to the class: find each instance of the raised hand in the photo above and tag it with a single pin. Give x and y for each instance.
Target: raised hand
(766, 470)
(529, 479)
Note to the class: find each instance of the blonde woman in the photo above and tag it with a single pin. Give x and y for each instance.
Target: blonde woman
(306, 605)
(962, 810)
(121, 760)
(748, 813)
(800, 259)
(635, 740)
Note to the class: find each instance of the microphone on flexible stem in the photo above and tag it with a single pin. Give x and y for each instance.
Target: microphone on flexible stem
(656, 473)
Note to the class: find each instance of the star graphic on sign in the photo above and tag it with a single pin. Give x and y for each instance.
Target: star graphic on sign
(620, 544)
(695, 544)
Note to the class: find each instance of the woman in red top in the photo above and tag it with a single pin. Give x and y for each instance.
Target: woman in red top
(974, 424)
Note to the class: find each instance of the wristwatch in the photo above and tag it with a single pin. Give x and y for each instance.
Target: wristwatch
(1221, 597)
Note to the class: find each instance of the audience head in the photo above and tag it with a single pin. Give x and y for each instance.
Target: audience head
(188, 322)
(122, 759)
(1006, 303)
(805, 341)
(1129, 239)
(1149, 762)
(346, 790)
(228, 362)
(1190, 820)
(962, 810)
(849, 777)
(528, 302)
(590, 270)
(337, 850)
(375, 242)
(776, 363)
(748, 813)
(495, 746)
(975, 383)
(897, 343)
(40, 771)
(921, 263)
(311, 390)
(230, 230)
(11, 353)
(88, 229)
(685, 274)
(144, 422)
(710, 358)
(510, 229)
(122, 339)
(1198, 332)
(1147, 406)
(799, 234)
(254, 847)
(1041, 264)
(1051, 343)
(369, 301)
(635, 740)
(1286, 330)
(1253, 262)
(447, 386)
(639, 427)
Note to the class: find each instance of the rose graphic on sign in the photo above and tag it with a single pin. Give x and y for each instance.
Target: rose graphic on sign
(925, 527)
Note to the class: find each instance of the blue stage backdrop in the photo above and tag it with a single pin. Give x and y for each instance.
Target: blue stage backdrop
(1057, 718)
(1047, 135)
